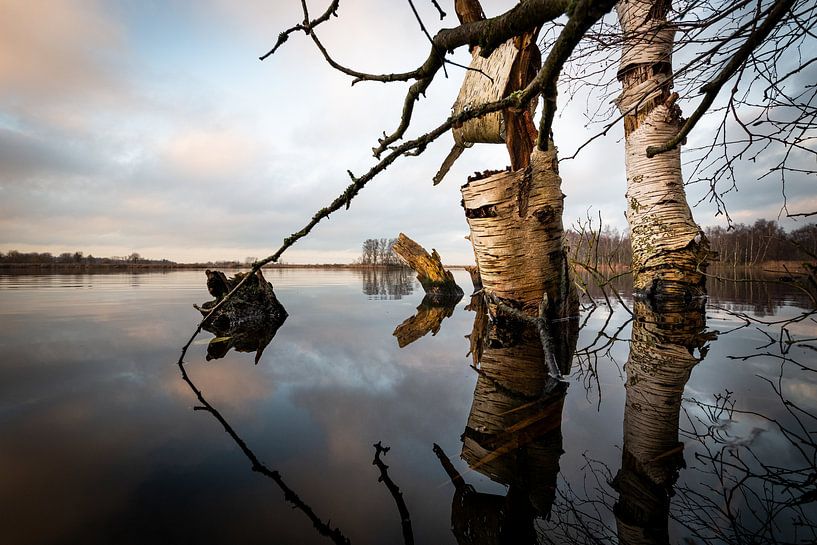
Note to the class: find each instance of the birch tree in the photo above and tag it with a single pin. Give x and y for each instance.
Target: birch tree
(741, 41)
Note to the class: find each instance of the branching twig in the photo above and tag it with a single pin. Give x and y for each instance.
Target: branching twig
(394, 490)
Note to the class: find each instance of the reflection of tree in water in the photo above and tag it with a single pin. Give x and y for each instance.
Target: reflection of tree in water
(513, 434)
(667, 342)
(428, 319)
(743, 290)
(754, 494)
(387, 283)
(734, 490)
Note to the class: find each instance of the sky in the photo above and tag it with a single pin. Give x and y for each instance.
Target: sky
(152, 127)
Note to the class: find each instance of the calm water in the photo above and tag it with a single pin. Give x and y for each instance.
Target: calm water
(100, 442)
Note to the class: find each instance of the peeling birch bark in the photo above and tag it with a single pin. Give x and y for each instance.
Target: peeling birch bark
(665, 340)
(516, 229)
(669, 248)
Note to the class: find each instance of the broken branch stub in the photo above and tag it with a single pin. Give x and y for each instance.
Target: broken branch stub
(435, 279)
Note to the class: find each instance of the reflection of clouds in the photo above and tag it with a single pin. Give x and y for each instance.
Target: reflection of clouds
(231, 383)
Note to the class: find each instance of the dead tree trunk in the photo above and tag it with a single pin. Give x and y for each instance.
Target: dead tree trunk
(515, 216)
(669, 249)
(437, 282)
(516, 229)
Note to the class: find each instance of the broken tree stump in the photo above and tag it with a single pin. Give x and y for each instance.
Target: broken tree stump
(254, 307)
(436, 281)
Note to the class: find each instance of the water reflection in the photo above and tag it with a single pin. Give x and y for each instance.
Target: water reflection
(387, 283)
(513, 433)
(668, 340)
(87, 400)
(429, 317)
(242, 339)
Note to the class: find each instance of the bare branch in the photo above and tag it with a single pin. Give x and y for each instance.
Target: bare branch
(711, 89)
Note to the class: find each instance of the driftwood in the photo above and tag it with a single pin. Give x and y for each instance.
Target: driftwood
(437, 282)
(430, 315)
(248, 321)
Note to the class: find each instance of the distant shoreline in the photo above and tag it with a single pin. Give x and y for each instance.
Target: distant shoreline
(769, 266)
(143, 267)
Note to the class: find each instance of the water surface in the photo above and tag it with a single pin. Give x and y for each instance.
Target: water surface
(101, 444)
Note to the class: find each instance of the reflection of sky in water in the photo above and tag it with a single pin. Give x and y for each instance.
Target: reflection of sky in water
(100, 442)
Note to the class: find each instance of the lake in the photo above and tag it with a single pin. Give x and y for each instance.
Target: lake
(711, 439)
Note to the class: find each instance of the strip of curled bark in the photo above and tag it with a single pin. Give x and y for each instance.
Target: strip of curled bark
(290, 496)
(780, 9)
(394, 490)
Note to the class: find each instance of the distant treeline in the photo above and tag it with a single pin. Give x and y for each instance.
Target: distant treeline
(742, 245)
(379, 252)
(77, 260)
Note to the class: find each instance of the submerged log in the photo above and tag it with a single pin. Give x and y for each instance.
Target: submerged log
(437, 282)
(248, 320)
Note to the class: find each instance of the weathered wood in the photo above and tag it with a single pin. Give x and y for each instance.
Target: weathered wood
(253, 308)
(516, 229)
(436, 280)
(429, 317)
(520, 130)
(468, 11)
(473, 270)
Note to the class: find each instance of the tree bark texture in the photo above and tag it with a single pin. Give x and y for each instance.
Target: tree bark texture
(436, 280)
(516, 229)
(669, 249)
(665, 340)
(510, 67)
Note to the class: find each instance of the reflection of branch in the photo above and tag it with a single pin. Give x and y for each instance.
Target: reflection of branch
(541, 325)
(289, 495)
(394, 490)
(429, 317)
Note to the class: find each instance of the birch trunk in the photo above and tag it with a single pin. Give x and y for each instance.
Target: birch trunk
(516, 229)
(669, 249)
(665, 340)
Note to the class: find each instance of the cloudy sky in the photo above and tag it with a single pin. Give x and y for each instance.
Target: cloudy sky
(152, 127)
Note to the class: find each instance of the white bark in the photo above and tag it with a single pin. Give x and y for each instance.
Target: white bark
(669, 249)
